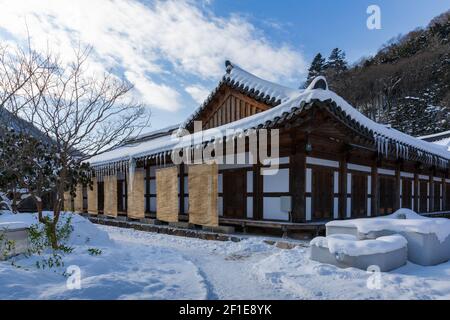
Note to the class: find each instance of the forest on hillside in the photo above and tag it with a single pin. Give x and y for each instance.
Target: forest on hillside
(406, 84)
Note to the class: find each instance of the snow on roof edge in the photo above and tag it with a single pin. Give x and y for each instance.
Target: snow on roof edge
(382, 133)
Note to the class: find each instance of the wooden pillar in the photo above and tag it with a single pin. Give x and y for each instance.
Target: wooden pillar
(397, 186)
(147, 187)
(297, 172)
(443, 193)
(93, 197)
(431, 192)
(375, 203)
(181, 197)
(343, 187)
(416, 192)
(135, 194)
(257, 192)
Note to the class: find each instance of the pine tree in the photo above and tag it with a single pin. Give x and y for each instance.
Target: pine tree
(316, 69)
(336, 63)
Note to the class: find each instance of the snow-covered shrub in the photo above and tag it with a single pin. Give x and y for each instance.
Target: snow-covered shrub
(40, 236)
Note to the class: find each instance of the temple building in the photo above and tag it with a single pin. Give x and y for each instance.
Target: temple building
(332, 163)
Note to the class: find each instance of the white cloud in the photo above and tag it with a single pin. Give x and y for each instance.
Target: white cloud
(197, 92)
(144, 41)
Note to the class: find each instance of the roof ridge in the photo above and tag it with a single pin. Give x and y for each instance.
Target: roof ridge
(262, 90)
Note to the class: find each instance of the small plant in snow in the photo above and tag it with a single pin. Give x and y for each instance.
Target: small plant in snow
(94, 251)
(7, 246)
(40, 237)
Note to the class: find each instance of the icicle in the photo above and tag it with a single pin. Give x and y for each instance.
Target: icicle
(131, 171)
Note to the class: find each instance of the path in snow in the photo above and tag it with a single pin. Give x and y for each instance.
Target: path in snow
(251, 269)
(142, 265)
(224, 266)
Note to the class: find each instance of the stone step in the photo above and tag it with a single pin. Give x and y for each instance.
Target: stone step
(219, 229)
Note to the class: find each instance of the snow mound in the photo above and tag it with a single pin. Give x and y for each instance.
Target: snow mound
(403, 220)
(351, 246)
(84, 231)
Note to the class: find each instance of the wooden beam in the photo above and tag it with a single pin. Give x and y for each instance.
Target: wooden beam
(182, 191)
(297, 170)
(257, 192)
(431, 192)
(443, 195)
(375, 187)
(416, 191)
(343, 186)
(397, 187)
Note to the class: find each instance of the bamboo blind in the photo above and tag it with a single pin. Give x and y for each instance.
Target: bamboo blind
(78, 201)
(67, 201)
(136, 202)
(203, 194)
(167, 194)
(110, 192)
(92, 198)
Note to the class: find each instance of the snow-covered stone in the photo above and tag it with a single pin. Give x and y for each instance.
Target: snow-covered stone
(428, 238)
(384, 253)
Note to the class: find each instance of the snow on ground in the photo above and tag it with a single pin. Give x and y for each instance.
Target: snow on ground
(141, 265)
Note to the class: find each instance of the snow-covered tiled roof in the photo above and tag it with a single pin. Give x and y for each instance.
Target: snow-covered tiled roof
(291, 102)
(436, 136)
(259, 89)
(443, 142)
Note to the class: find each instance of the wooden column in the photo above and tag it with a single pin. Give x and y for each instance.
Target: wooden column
(181, 198)
(147, 187)
(297, 185)
(257, 192)
(93, 197)
(398, 181)
(416, 192)
(375, 203)
(343, 187)
(431, 192)
(443, 194)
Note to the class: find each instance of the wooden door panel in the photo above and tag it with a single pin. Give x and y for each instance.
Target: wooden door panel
(234, 189)
(423, 196)
(406, 193)
(437, 196)
(386, 192)
(359, 195)
(322, 193)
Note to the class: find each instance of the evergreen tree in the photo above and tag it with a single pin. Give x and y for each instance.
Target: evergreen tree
(336, 63)
(316, 69)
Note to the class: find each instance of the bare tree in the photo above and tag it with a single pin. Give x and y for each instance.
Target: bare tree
(84, 115)
(18, 69)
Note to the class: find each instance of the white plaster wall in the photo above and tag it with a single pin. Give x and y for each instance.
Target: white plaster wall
(249, 207)
(278, 182)
(249, 181)
(272, 209)
(220, 206)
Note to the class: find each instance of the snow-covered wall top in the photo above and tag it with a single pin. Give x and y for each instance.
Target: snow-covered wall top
(291, 100)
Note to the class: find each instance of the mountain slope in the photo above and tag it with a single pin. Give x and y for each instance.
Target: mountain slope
(407, 83)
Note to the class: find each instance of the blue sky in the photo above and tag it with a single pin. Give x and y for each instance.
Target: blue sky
(321, 25)
(174, 51)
